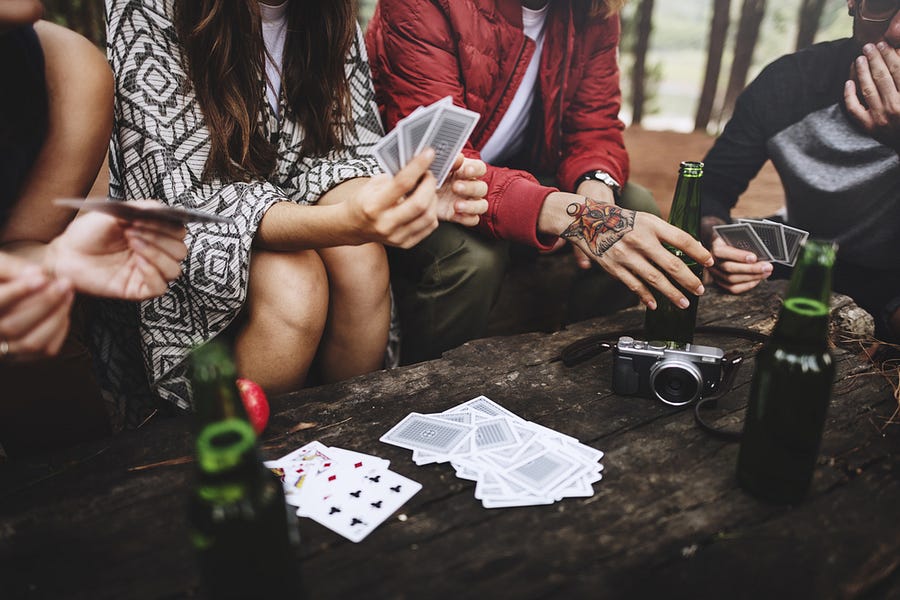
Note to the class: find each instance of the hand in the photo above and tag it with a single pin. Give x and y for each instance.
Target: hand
(106, 256)
(461, 198)
(877, 75)
(735, 271)
(602, 193)
(14, 13)
(399, 210)
(628, 245)
(34, 310)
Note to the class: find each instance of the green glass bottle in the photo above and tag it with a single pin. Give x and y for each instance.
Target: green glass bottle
(791, 387)
(668, 322)
(241, 528)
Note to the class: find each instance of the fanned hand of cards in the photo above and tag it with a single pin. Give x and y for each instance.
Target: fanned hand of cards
(349, 492)
(514, 462)
(768, 240)
(441, 126)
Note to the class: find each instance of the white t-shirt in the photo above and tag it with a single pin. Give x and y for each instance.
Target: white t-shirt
(274, 29)
(509, 137)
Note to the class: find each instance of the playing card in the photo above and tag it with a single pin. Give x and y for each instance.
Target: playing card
(412, 128)
(354, 504)
(421, 432)
(494, 434)
(793, 239)
(742, 236)
(387, 152)
(542, 473)
(447, 136)
(771, 235)
(130, 212)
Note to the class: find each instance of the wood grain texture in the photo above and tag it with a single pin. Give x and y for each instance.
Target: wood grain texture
(666, 520)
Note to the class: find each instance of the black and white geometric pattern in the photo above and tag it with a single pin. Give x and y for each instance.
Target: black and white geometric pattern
(158, 150)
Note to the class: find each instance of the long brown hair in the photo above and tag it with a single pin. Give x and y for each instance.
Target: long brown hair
(225, 60)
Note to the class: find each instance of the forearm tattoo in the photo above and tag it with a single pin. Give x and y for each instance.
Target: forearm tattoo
(599, 225)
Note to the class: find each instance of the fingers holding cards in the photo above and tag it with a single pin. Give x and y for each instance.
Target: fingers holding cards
(441, 126)
(766, 240)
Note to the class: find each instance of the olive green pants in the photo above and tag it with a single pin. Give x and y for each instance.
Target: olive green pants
(447, 284)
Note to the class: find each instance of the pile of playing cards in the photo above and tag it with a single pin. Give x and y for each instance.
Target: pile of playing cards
(768, 240)
(514, 462)
(441, 126)
(348, 492)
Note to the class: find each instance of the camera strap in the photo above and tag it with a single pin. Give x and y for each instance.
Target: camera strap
(588, 347)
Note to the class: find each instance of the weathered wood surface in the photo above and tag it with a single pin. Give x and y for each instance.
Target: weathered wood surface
(666, 520)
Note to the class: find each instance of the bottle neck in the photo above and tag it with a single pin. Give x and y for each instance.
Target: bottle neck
(802, 320)
(214, 385)
(804, 316)
(685, 212)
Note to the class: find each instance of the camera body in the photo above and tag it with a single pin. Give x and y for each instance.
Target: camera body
(673, 374)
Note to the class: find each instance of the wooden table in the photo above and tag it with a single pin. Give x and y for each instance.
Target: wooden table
(667, 520)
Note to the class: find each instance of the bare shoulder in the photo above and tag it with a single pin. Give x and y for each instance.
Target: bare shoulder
(73, 63)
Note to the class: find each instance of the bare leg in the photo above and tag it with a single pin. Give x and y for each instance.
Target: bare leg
(80, 98)
(359, 312)
(287, 304)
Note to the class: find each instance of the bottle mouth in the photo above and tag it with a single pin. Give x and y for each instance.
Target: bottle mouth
(224, 444)
(691, 169)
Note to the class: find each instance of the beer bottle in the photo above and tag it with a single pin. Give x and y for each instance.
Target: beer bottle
(669, 322)
(791, 387)
(241, 527)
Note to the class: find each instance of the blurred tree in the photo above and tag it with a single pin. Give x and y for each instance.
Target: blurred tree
(808, 17)
(84, 16)
(752, 13)
(643, 29)
(718, 33)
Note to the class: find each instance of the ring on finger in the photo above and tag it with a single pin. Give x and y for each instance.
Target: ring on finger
(4, 349)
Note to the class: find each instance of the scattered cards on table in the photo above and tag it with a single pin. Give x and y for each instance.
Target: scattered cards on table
(514, 462)
(441, 126)
(349, 492)
(768, 240)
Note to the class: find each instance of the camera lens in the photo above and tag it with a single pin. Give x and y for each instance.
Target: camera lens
(676, 383)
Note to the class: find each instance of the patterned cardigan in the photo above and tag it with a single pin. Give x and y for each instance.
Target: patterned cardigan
(158, 150)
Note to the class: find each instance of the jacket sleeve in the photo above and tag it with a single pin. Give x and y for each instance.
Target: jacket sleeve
(591, 130)
(413, 54)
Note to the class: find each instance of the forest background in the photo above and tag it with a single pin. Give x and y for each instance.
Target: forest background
(683, 64)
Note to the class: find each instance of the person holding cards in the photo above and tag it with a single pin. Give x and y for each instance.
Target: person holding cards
(262, 112)
(828, 117)
(55, 121)
(544, 78)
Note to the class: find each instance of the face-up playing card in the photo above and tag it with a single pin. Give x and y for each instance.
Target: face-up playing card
(742, 236)
(354, 504)
(130, 212)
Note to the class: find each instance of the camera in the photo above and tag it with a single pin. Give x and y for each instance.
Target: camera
(676, 374)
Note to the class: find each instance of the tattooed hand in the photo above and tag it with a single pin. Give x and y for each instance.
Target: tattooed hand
(598, 225)
(627, 244)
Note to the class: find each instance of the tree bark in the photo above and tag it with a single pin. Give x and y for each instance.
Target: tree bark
(718, 33)
(808, 18)
(752, 12)
(644, 28)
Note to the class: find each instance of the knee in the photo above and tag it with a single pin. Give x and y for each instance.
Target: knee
(358, 269)
(288, 290)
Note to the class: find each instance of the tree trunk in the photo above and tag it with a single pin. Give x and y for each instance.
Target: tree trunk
(808, 22)
(718, 32)
(752, 13)
(644, 18)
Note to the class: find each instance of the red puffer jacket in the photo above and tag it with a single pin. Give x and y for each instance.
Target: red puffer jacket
(476, 52)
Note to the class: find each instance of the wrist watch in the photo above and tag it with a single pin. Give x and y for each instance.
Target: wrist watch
(602, 177)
